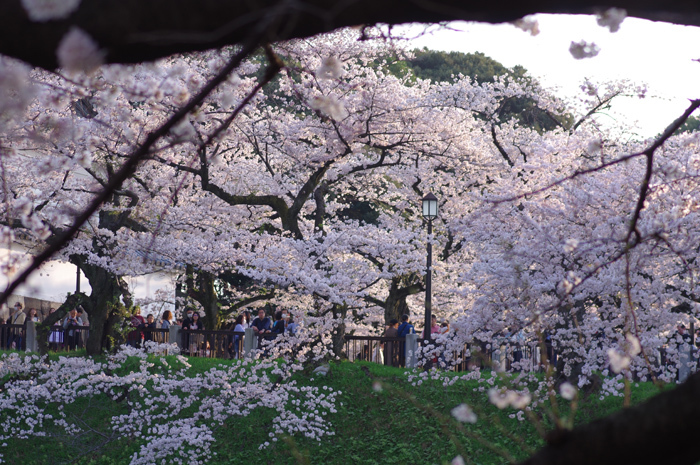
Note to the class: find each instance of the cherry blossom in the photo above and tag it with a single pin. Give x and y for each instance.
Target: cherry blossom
(79, 52)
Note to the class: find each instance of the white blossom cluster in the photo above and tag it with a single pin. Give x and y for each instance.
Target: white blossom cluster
(612, 18)
(47, 10)
(171, 413)
(583, 49)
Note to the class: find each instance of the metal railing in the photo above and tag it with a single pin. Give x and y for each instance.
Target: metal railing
(211, 343)
(389, 351)
(71, 338)
(13, 337)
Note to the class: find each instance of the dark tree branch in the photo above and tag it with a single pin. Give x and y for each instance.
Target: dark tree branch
(603, 104)
(247, 301)
(500, 148)
(651, 149)
(649, 153)
(131, 31)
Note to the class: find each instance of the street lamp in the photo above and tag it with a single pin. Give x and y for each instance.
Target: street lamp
(430, 210)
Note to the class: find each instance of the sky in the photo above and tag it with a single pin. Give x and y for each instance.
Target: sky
(55, 279)
(657, 54)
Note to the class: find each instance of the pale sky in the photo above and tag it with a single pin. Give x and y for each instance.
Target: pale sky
(55, 279)
(659, 55)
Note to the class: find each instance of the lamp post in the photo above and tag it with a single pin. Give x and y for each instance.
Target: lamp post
(430, 210)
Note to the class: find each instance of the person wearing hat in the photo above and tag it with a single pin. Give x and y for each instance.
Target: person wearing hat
(17, 317)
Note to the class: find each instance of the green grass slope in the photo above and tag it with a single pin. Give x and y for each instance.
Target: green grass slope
(399, 424)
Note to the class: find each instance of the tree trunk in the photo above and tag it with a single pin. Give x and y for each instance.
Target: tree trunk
(395, 305)
(106, 310)
(202, 289)
(338, 338)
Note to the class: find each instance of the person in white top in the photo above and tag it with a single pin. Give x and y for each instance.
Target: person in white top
(246, 319)
(234, 347)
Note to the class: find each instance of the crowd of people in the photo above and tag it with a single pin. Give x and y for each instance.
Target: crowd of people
(71, 332)
(195, 343)
(64, 332)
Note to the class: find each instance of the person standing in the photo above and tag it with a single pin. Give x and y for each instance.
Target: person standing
(71, 332)
(246, 319)
(32, 315)
(135, 337)
(167, 320)
(18, 317)
(186, 323)
(56, 336)
(434, 328)
(405, 327)
(292, 326)
(285, 319)
(83, 315)
(261, 324)
(235, 339)
(197, 343)
(445, 327)
(149, 326)
(279, 326)
(391, 353)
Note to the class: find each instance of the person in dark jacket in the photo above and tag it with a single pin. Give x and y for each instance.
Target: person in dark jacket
(403, 330)
(279, 326)
(405, 327)
(391, 348)
(71, 333)
(150, 324)
(261, 324)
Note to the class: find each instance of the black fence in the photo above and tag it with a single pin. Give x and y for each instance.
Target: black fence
(211, 343)
(73, 338)
(13, 337)
(391, 351)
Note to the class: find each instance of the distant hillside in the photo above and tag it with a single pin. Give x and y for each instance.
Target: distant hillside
(447, 66)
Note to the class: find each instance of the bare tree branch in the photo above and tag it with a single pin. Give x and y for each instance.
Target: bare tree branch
(649, 153)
